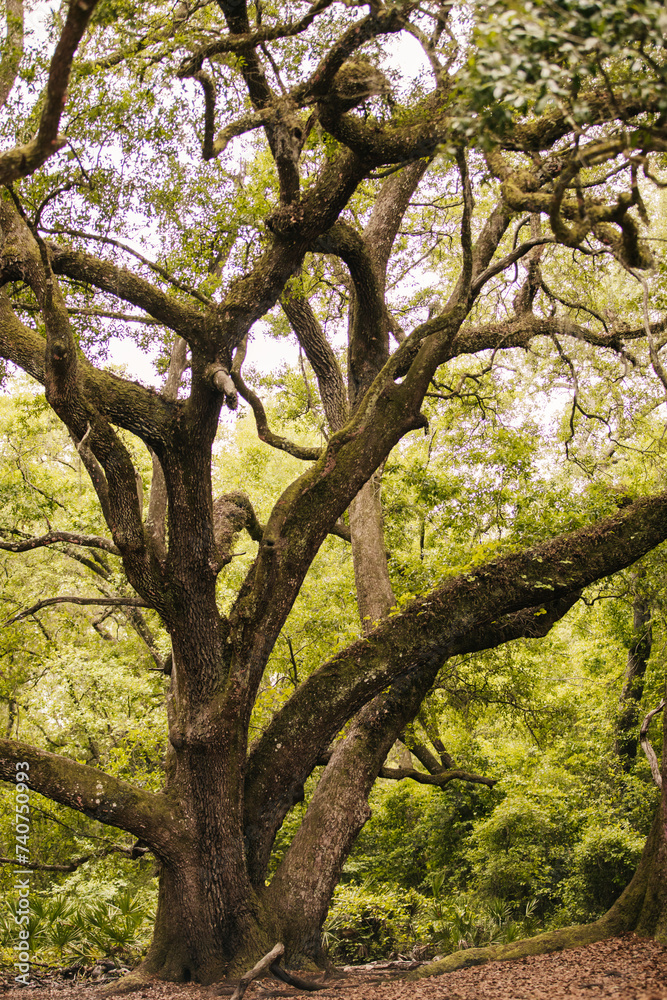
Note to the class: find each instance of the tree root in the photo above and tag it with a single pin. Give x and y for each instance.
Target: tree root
(541, 944)
(133, 981)
(301, 984)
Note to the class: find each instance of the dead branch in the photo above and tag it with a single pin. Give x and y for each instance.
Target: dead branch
(277, 952)
(646, 745)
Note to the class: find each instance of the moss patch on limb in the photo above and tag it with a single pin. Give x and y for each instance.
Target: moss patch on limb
(110, 800)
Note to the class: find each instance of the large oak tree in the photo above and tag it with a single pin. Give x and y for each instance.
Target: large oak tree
(548, 117)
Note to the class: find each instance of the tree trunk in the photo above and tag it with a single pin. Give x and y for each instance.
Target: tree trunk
(197, 937)
(374, 592)
(627, 721)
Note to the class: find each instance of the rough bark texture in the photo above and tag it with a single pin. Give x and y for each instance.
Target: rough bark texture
(627, 721)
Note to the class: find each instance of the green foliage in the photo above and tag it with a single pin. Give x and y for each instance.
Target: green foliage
(603, 863)
(463, 921)
(530, 55)
(367, 922)
(64, 929)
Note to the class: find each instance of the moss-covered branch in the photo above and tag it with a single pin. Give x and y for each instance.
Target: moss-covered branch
(110, 800)
(472, 611)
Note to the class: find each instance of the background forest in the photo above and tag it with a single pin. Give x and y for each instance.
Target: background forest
(552, 722)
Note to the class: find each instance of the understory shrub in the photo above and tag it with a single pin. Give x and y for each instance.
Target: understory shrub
(604, 861)
(464, 921)
(367, 922)
(63, 930)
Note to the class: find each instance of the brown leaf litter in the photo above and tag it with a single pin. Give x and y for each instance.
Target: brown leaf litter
(625, 968)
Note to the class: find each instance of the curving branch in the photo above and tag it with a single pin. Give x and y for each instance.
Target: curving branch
(368, 333)
(156, 268)
(72, 537)
(147, 815)
(248, 123)
(332, 695)
(240, 43)
(264, 432)
(124, 284)
(128, 602)
(440, 779)
(125, 403)
(511, 258)
(24, 160)
(388, 20)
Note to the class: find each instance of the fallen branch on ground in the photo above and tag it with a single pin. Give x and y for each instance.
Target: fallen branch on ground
(301, 984)
(257, 970)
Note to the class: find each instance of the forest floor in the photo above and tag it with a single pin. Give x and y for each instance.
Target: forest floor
(626, 968)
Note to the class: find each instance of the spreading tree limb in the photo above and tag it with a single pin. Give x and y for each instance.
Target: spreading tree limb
(147, 815)
(23, 160)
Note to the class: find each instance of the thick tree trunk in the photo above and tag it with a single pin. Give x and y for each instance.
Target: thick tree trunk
(197, 936)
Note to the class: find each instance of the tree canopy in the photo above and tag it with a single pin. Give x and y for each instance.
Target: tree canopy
(441, 244)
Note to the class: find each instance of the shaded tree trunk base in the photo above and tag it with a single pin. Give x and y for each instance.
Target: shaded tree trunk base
(133, 981)
(642, 908)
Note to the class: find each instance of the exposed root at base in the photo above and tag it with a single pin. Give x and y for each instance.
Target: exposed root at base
(133, 981)
(541, 944)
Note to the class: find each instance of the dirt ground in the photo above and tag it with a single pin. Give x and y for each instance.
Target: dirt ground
(626, 968)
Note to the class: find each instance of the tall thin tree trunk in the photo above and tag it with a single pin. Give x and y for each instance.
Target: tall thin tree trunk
(627, 721)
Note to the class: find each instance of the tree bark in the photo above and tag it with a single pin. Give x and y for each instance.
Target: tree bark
(627, 720)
